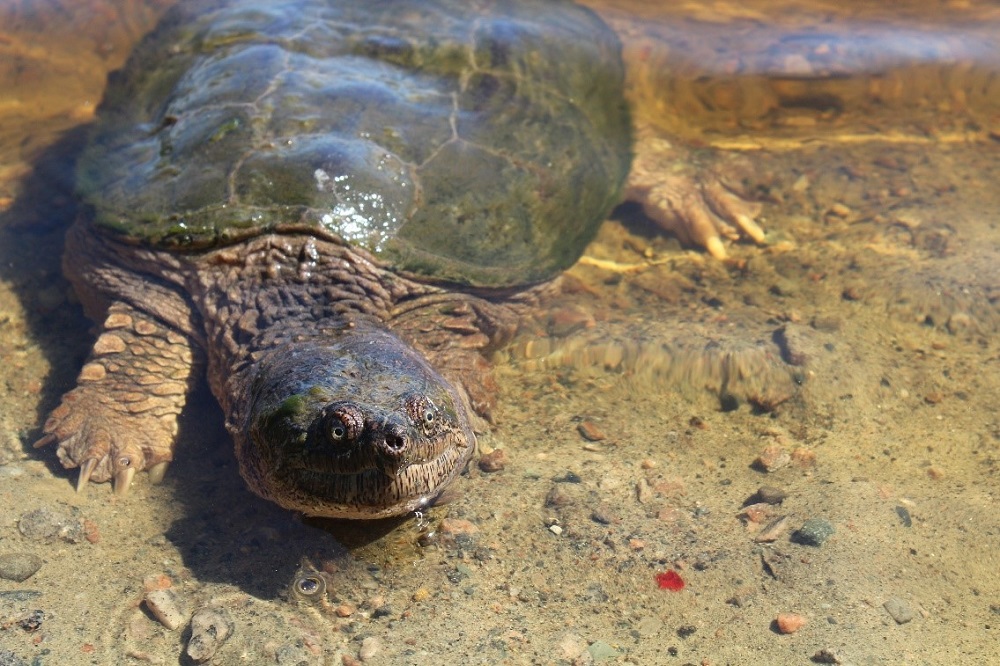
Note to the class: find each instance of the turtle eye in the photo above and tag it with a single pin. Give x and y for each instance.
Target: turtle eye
(336, 430)
(342, 423)
(309, 586)
(429, 416)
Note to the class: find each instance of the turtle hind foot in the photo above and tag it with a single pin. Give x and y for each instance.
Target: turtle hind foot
(698, 203)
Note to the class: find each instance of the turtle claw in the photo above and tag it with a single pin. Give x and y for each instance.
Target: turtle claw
(157, 471)
(44, 440)
(86, 469)
(123, 480)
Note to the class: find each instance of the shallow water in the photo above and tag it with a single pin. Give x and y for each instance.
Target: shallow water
(874, 134)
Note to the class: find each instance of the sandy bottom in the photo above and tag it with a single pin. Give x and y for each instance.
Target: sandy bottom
(868, 324)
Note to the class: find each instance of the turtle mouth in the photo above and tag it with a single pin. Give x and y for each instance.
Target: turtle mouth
(318, 488)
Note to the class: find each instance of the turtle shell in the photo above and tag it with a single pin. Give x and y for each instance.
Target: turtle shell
(479, 143)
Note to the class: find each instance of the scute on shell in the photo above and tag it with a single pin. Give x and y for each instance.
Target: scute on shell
(475, 143)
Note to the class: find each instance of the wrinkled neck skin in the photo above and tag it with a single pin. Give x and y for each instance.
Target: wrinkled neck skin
(332, 413)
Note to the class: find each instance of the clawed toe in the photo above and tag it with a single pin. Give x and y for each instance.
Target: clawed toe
(86, 469)
(123, 481)
(158, 471)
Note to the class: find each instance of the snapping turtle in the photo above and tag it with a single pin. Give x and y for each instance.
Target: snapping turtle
(334, 209)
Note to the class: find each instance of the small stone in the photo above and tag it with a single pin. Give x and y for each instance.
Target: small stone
(899, 610)
(210, 627)
(369, 648)
(601, 651)
(773, 458)
(960, 322)
(644, 492)
(19, 567)
(156, 582)
(789, 623)
(772, 531)
(852, 293)
(32, 622)
(45, 525)
(457, 526)
(686, 631)
(814, 532)
(757, 513)
(167, 607)
(934, 472)
(344, 610)
(904, 516)
(422, 594)
(803, 456)
(840, 210)
(603, 515)
(555, 529)
(826, 656)
(572, 646)
(590, 432)
(8, 658)
(768, 495)
(558, 498)
(494, 461)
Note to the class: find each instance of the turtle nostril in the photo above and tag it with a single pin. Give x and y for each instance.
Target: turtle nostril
(395, 442)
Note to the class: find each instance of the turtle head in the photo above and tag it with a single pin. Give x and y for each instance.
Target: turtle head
(358, 427)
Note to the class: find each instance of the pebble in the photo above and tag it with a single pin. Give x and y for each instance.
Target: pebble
(210, 627)
(167, 607)
(572, 646)
(11, 471)
(590, 432)
(494, 461)
(19, 567)
(603, 515)
(789, 623)
(767, 495)
(840, 210)
(826, 656)
(456, 526)
(803, 456)
(45, 524)
(601, 651)
(814, 532)
(899, 610)
(772, 531)
(555, 529)
(8, 658)
(369, 648)
(773, 458)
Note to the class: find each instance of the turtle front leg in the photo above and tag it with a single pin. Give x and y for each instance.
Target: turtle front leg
(122, 416)
(697, 203)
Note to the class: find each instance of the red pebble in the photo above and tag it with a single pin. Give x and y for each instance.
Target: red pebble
(670, 580)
